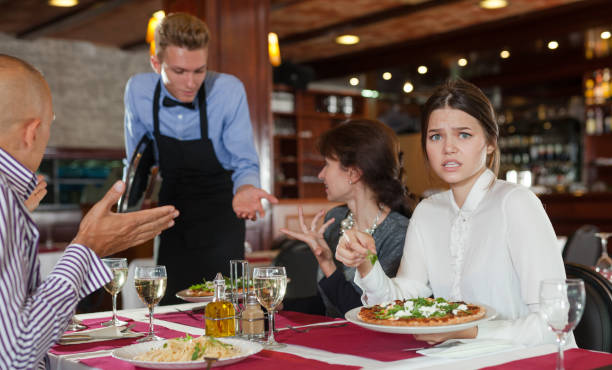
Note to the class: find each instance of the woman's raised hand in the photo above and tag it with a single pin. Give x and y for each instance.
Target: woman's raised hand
(353, 250)
(313, 236)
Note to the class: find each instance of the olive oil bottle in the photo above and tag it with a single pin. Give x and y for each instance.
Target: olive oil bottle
(220, 314)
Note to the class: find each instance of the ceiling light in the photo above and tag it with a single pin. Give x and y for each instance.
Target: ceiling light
(273, 49)
(504, 54)
(347, 39)
(63, 3)
(462, 62)
(408, 87)
(493, 4)
(552, 45)
(354, 81)
(422, 70)
(605, 35)
(151, 26)
(387, 76)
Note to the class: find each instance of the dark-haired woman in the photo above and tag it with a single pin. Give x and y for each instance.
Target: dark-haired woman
(363, 170)
(484, 241)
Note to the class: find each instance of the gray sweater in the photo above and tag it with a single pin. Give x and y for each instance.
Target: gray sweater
(389, 237)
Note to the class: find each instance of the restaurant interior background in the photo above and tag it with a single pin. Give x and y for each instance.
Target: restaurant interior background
(545, 64)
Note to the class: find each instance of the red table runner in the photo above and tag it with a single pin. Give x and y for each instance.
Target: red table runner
(264, 360)
(574, 359)
(351, 340)
(284, 318)
(182, 318)
(281, 319)
(379, 346)
(161, 331)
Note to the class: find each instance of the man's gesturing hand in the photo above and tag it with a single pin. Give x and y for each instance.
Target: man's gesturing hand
(106, 232)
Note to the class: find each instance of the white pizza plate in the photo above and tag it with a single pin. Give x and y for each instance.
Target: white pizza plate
(129, 352)
(353, 316)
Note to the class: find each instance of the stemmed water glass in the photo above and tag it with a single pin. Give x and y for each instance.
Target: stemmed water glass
(120, 271)
(604, 263)
(561, 305)
(270, 284)
(150, 283)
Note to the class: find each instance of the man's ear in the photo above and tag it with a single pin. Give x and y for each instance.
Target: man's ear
(155, 63)
(30, 132)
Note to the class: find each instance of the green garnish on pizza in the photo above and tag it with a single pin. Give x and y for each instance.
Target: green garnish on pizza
(421, 312)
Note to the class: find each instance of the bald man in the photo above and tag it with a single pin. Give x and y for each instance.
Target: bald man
(35, 312)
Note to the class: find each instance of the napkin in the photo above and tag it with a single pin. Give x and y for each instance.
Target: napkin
(99, 334)
(463, 348)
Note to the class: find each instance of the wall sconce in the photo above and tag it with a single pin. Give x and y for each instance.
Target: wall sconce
(153, 22)
(274, 49)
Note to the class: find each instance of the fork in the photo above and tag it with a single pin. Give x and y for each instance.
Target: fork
(306, 330)
(190, 313)
(85, 336)
(209, 361)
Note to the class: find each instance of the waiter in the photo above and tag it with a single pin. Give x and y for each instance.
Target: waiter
(199, 121)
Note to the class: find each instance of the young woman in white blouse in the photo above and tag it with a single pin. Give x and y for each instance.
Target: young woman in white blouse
(483, 241)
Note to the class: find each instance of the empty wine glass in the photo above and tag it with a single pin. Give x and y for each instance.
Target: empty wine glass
(120, 271)
(604, 263)
(150, 283)
(561, 306)
(270, 284)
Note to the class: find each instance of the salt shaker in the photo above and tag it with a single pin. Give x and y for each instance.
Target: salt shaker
(252, 319)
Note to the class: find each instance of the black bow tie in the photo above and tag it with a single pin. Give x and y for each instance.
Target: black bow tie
(173, 103)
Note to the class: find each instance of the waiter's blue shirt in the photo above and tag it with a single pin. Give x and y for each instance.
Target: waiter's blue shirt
(229, 124)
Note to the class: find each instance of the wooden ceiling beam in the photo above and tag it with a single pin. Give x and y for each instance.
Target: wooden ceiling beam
(513, 30)
(371, 18)
(572, 67)
(73, 18)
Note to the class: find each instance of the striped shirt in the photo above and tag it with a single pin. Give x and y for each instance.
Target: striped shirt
(34, 312)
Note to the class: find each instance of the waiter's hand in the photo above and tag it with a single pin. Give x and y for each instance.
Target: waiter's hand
(106, 232)
(247, 202)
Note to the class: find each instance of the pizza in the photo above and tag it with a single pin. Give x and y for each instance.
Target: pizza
(207, 288)
(421, 312)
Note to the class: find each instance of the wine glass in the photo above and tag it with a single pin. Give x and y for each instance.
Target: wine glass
(561, 305)
(120, 271)
(150, 283)
(604, 263)
(270, 284)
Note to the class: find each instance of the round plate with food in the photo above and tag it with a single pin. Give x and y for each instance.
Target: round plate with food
(187, 353)
(205, 291)
(420, 316)
(186, 295)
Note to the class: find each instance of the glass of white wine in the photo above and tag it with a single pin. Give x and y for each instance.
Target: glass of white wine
(561, 305)
(120, 271)
(270, 284)
(150, 283)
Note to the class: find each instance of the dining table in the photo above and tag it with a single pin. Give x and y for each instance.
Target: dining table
(315, 342)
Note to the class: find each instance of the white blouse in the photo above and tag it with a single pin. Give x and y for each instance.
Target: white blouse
(494, 250)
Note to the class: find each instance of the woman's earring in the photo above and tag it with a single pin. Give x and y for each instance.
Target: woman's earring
(350, 182)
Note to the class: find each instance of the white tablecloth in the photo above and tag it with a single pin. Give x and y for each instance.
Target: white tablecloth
(70, 362)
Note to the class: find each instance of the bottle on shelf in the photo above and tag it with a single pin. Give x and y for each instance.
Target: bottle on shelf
(220, 315)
